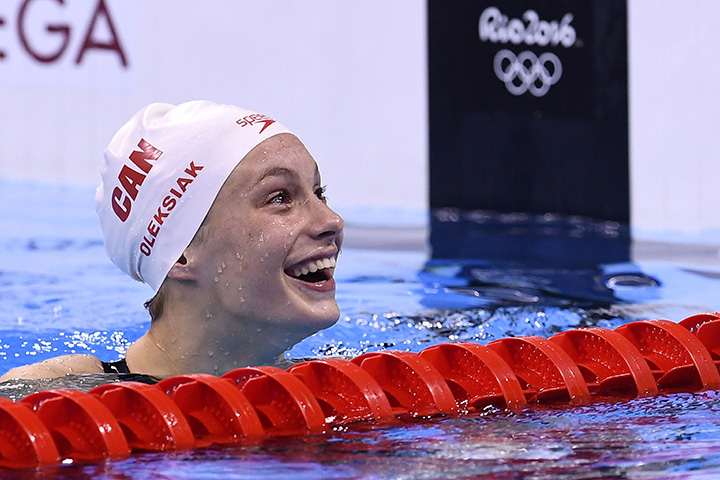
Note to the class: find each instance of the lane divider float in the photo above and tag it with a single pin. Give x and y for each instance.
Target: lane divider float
(575, 367)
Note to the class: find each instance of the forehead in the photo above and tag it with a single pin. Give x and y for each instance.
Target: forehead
(280, 155)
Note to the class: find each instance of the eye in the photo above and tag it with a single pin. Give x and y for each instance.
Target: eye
(279, 198)
(320, 193)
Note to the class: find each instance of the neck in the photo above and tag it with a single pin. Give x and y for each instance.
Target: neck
(179, 344)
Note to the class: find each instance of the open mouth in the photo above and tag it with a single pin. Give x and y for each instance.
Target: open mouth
(313, 271)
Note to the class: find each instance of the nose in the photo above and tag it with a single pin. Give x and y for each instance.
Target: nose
(326, 223)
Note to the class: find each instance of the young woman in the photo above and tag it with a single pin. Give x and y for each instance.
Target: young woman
(222, 212)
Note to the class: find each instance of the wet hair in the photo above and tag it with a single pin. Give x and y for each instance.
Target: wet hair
(156, 304)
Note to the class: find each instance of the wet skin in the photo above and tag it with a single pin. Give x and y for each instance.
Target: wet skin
(268, 225)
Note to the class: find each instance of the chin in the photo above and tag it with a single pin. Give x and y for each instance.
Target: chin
(315, 322)
(326, 322)
(306, 320)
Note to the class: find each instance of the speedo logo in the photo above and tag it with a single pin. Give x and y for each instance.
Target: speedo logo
(256, 118)
(131, 179)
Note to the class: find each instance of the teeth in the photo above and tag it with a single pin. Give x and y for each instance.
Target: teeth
(312, 267)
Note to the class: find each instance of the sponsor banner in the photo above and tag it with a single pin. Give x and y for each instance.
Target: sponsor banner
(528, 106)
(73, 71)
(528, 51)
(68, 44)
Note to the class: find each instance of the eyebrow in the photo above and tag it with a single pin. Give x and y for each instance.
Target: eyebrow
(280, 172)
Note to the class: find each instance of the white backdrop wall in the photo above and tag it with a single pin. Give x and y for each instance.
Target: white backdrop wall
(674, 108)
(349, 77)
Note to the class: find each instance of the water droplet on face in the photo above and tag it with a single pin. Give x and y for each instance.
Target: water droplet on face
(217, 279)
(210, 353)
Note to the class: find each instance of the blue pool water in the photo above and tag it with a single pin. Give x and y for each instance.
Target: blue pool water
(479, 277)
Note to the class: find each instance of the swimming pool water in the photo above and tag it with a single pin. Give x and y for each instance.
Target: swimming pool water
(485, 277)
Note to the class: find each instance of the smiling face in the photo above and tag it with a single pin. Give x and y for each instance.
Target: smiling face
(267, 250)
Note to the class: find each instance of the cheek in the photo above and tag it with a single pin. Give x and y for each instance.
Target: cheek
(277, 237)
(256, 250)
(256, 256)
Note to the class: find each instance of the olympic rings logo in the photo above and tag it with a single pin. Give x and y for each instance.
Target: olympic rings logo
(527, 72)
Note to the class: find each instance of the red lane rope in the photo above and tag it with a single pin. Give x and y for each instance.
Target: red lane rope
(111, 421)
(546, 371)
(345, 392)
(477, 376)
(216, 411)
(609, 362)
(679, 358)
(284, 404)
(147, 415)
(412, 385)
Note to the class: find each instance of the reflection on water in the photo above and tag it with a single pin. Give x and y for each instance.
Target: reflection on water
(486, 278)
(17, 389)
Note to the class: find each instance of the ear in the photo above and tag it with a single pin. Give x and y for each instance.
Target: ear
(182, 270)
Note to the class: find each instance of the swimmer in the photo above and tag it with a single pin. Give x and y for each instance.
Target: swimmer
(223, 213)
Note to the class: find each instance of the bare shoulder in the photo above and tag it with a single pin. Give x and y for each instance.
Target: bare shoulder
(56, 367)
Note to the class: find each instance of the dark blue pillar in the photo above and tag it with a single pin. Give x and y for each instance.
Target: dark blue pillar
(529, 106)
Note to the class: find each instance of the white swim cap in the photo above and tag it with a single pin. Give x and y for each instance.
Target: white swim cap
(162, 172)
